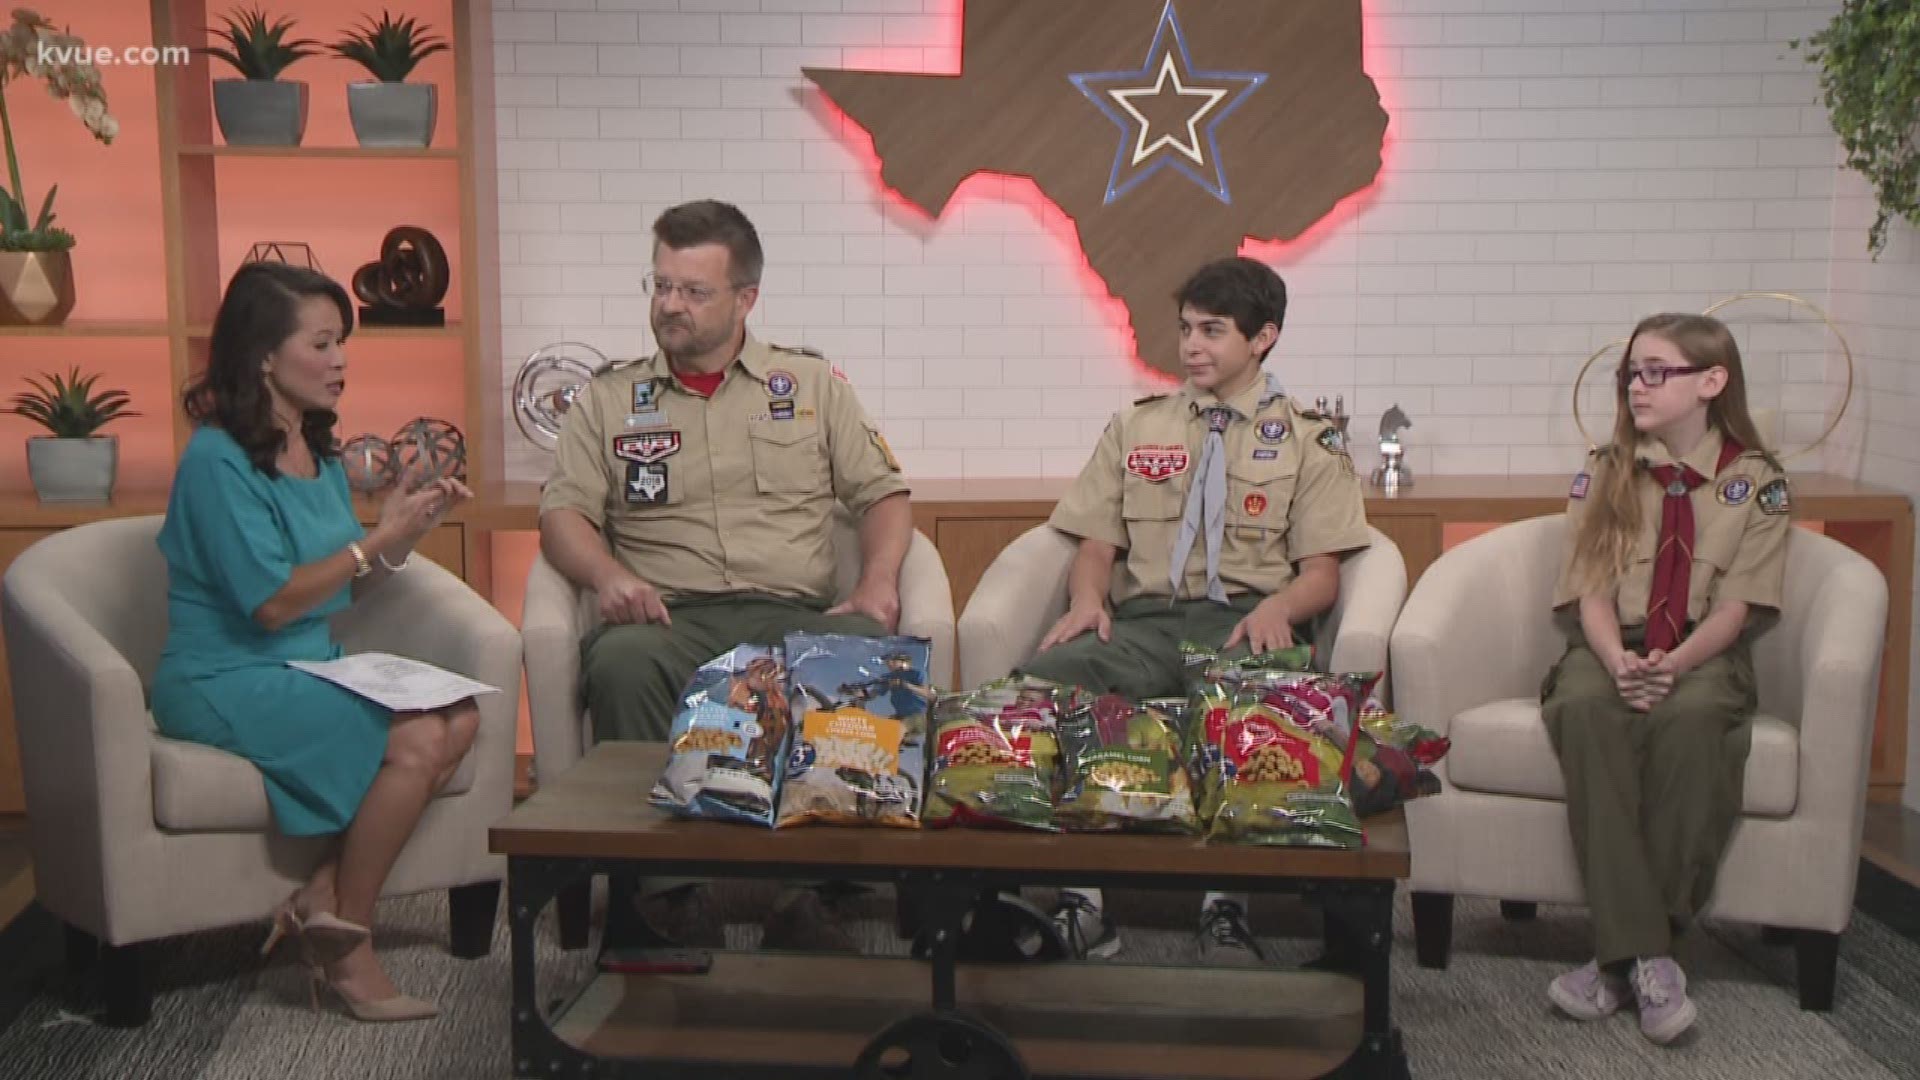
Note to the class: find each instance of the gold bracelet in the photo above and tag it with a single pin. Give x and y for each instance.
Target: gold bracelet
(392, 568)
(361, 567)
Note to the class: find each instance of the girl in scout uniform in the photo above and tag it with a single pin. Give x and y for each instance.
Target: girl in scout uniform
(1677, 537)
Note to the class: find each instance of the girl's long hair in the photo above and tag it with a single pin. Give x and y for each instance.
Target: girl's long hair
(260, 310)
(1604, 546)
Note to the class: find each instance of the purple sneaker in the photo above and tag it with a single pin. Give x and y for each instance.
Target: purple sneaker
(1587, 993)
(1661, 988)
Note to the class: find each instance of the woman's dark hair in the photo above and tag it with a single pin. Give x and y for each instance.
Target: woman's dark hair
(261, 310)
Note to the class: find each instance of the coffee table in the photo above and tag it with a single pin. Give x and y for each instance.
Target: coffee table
(767, 1014)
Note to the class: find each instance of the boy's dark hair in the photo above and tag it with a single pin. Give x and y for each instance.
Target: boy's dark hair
(1245, 290)
(709, 221)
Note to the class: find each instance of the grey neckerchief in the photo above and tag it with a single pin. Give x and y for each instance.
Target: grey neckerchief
(1207, 497)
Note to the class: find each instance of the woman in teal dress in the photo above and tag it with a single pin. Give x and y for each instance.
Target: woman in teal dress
(262, 546)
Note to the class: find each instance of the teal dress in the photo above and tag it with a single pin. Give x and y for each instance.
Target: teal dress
(231, 540)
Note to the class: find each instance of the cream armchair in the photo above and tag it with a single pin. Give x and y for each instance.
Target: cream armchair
(1469, 654)
(557, 616)
(1025, 591)
(136, 837)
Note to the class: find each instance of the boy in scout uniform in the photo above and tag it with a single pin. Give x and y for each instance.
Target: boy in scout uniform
(693, 492)
(1676, 553)
(1227, 508)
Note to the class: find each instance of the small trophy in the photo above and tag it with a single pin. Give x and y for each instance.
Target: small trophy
(1392, 475)
(1338, 415)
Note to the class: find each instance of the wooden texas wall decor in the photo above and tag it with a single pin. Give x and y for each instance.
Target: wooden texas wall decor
(1168, 130)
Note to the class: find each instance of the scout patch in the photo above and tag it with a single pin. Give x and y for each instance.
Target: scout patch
(1734, 491)
(781, 410)
(643, 397)
(1774, 498)
(646, 447)
(646, 484)
(1156, 463)
(1581, 481)
(1254, 504)
(1332, 441)
(880, 444)
(780, 384)
(1272, 431)
(1265, 454)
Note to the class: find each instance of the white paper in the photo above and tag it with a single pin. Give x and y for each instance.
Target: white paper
(396, 682)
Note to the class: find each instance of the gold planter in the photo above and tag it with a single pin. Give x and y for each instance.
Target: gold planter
(36, 287)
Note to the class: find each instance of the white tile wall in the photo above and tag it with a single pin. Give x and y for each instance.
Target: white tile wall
(1556, 168)
(1879, 440)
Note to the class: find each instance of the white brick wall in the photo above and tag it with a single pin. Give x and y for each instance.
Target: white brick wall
(1556, 168)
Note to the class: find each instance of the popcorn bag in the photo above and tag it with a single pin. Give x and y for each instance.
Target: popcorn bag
(996, 755)
(860, 730)
(1124, 770)
(728, 741)
(1283, 771)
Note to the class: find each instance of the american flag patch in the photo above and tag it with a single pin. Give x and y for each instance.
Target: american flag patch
(1579, 489)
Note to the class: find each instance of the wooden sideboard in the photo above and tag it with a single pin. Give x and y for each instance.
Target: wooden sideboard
(971, 521)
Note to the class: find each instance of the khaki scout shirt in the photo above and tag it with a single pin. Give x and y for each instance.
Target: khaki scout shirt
(1740, 522)
(732, 493)
(1291, 492)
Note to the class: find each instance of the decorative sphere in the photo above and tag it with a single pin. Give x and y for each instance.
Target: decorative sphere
(368, 460)
(428, 449)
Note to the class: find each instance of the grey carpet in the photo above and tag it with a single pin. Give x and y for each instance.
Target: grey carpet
(222, 1014)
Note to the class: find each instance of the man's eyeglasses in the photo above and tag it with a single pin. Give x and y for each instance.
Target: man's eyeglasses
(1655, 374)
(661, 287)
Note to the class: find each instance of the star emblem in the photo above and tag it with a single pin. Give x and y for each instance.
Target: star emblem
(1174, 87)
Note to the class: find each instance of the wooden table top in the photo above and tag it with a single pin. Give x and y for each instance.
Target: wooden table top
(599, 809)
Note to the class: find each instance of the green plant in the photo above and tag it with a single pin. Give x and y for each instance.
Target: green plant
(1870, 80)
(31, 46)
(68, 407)
(389, 48)
(259, 50)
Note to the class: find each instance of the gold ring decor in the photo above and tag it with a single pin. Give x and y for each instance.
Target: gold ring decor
(1845, 351)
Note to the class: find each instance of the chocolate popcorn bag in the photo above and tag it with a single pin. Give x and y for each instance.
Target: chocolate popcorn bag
(727, 746)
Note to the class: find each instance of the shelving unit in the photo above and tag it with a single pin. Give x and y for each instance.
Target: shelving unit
(340, 196)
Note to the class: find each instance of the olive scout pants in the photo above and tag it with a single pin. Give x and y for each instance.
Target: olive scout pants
(1143, 659)
(1651, 797)
(632, 674)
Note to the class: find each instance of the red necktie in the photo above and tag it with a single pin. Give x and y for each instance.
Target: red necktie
(1673, 558)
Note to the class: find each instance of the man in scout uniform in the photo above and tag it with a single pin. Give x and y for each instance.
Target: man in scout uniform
(693, 492)
(1227, 508)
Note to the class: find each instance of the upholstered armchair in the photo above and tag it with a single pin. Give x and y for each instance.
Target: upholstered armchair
(1469, 653)
(135, 836)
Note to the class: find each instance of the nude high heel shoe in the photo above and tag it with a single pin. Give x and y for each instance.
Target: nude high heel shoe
(399, 1007)
(286, 923)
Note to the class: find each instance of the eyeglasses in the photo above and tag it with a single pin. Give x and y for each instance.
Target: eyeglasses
(654, 285)
(1656, 374)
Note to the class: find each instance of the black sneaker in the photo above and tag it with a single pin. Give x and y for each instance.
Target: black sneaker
(1225, 940)
(1084, 928)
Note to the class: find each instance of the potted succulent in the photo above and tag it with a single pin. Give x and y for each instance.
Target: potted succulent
(73, 464)
(258, 109)
(1871, 85)
(390, 111)
(36, 269)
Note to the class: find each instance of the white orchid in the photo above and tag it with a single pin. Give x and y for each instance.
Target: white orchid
(33, 47)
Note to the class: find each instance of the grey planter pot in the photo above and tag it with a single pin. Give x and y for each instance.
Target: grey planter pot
(256, 112)
(393, 114)
(73, 470)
